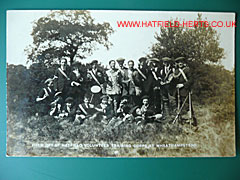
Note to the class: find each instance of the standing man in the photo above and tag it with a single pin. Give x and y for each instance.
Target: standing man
(95, 77)
(184, 92)
(113, 88)
(166, 78)
(123, 71)
(142, 75)
(153, 84)
(63, 81)
(133, 83)
(120, 62)
(76, 87)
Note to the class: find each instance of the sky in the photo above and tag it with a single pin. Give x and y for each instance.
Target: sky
(129, 43)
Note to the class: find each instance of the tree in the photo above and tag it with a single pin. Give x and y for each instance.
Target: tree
(200, 43)
(200, 46)
(17, 88)
(71, 33)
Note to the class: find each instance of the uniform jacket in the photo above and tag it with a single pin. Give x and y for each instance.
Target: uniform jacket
(131, 80)
(62, 82)
(113, 86)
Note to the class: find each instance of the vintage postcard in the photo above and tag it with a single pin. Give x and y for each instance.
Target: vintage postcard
(120, 83)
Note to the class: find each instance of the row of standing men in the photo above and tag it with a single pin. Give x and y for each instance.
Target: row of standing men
(165, 82)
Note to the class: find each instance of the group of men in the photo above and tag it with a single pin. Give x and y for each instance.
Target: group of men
(156, 90)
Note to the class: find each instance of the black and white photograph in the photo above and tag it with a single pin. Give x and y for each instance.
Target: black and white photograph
(112, 83)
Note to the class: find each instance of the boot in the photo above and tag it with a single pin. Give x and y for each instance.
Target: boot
(166, 112)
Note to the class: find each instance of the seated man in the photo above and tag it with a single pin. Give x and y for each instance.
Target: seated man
(85, 110)
(147, 111)
(45, 97)
(124, 107)
(69, 110)
(56, 105)
(104, 108)
(137, 114)
(146, 108)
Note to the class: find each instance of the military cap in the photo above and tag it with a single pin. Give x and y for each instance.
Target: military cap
(179, 59)
(111, 61)
(166, 59)
(94, 61)
(154, 60)
(69, 100)
(120, 60)
(104, 97)
(142, 59)
(63, 58)
(145, 97)
(130, 61)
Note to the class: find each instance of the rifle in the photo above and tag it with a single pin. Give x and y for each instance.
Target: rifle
(191, 115)
(175, 119)
(178, 96)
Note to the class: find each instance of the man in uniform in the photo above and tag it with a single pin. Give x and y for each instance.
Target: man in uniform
(120, 62)
(166, 78)
(132, 80)
(104, 108)
(76, 87)
(142, 75)
(63, 81)
(123, 71)
(45, 97)
(84, 110)
(95, 77)
(69, 109)
(153, 84)
(113, 87)
(123, 107)
(184, 92)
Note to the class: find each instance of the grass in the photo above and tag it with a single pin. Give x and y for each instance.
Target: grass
(44, 136)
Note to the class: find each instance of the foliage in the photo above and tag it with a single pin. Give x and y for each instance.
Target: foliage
(17, 89)
(73, 34)
(199, 44)
(212, 84)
